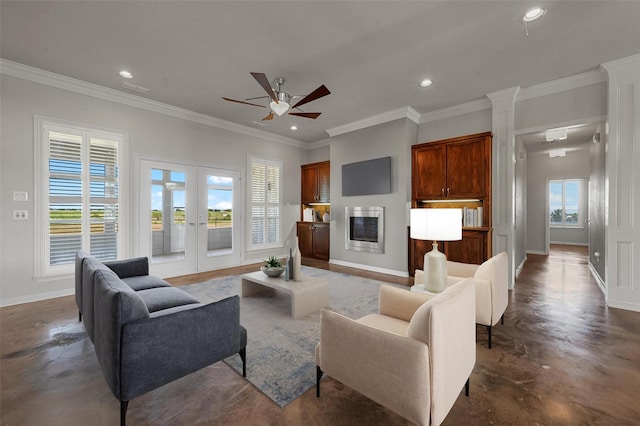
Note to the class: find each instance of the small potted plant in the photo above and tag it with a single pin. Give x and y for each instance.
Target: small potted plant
(272, 267)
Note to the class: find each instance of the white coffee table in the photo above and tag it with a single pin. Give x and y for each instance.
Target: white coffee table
(307, 296)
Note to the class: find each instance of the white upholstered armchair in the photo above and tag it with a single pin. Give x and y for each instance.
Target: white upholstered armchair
(492, 287)
(413, 357)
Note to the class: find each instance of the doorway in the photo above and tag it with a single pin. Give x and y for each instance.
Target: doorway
(189, 217)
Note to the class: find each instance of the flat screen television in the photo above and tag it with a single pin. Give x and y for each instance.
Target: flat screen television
(367, 177)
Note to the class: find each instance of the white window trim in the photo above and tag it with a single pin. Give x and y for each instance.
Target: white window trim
(581, 203)
(265, 246)
(42, 271)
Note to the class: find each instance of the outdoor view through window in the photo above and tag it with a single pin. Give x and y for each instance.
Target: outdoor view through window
(564, 203)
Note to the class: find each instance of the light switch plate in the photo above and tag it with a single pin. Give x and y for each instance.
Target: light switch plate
(20, 196)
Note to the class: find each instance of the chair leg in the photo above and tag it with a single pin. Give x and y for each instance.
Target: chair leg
(243, 356)
(123, 412)
(79, 316)
(489, 332)
(466, 388)
(502, 319)
(318, 377)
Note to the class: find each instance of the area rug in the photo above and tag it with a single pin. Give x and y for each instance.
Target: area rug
(281, 350)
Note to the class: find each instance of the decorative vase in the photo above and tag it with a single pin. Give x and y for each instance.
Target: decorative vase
(297, 263)
(289, 270)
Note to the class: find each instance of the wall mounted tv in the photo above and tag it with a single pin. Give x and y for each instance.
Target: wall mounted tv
(367, 177)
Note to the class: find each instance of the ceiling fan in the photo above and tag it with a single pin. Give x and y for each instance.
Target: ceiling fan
(280, 100)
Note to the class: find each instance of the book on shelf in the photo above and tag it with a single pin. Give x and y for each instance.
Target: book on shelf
(472, 217)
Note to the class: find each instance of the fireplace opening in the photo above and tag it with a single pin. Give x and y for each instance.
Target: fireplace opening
(364, 229)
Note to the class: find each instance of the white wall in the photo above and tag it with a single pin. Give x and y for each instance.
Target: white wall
(390, 139)
(149, 134)
(541, 169)
(520, 249)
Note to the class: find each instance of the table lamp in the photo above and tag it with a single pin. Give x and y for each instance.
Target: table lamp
(436, 225)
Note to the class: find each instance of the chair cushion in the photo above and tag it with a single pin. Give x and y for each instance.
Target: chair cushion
(144, 282)
(418, 327)
(160, 298)
(383, 322)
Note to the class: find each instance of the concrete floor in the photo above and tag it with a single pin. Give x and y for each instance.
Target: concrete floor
(561, 358)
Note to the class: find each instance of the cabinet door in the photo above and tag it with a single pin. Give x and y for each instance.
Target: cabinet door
(305, 239)
(428, 172)
(471, 249)
(309, 184)
(321, 242)
(466, 169)
(324, 184)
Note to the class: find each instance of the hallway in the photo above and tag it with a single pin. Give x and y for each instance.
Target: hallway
(562, 358)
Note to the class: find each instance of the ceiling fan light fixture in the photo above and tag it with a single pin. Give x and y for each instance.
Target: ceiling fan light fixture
(279, 108)
(533, 14)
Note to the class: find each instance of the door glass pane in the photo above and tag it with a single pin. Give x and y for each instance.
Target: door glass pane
(219, 215)
(555, 203)
(168, 215)
(572, 202)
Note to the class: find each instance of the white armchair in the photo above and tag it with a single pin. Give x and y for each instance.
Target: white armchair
(412, 357)
(492, 287)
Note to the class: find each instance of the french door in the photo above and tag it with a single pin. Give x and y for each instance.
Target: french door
(189, 217)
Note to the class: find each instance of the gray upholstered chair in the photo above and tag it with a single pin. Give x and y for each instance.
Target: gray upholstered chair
(413, 357)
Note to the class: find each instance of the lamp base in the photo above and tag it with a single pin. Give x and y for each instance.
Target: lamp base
(435, 270)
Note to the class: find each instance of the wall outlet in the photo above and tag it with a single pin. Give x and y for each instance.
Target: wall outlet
(20, 215)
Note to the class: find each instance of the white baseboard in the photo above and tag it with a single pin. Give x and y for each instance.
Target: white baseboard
(519, 268)
(598, 278)
(370, 268)
(623, 305)
(544, 253)
(36, 297)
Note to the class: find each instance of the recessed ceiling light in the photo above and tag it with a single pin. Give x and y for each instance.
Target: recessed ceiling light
(533, 14)
(426, 83)
(294, 127)
(125, 74)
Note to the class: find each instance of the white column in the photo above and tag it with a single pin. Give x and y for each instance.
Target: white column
(503, 175)
(622, 227)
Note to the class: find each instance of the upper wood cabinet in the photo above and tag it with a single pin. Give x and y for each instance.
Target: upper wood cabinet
(452, 169)
(316, 182)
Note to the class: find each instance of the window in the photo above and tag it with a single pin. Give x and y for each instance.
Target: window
(264, 203)
(78, 196)
(565, 203)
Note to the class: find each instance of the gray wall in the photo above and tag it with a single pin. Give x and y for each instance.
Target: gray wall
(520, 249)
(597, 157)
(460, 125)
(541, 169)
(149, 134)
(390, 139)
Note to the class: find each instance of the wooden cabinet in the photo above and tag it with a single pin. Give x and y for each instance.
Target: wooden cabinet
(316, 183)
(454, 173)
(313, 239)
(475, 247)
(454, 168)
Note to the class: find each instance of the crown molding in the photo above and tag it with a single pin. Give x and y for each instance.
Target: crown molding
(36, 75)
(465, 108)
(317, 144)
(385, 117)
(621, 64)
(562, 84)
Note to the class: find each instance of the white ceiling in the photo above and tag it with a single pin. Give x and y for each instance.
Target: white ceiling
(370, 54)
(578, 137)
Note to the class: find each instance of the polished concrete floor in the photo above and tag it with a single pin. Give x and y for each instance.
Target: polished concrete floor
(561, 358)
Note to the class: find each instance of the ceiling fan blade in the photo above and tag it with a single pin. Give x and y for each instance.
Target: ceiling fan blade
(242, 102)
(316, 94)
(263, 81)
(268, 117)
(313, 115)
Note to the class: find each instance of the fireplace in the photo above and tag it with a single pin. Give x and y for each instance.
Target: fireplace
(364, 229)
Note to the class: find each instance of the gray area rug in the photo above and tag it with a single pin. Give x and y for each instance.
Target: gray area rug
(281, 350)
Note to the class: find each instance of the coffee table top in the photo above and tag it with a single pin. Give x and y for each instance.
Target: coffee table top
(279, 282)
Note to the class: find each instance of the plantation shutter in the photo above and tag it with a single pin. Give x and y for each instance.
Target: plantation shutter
(83, 196)
(265, 203)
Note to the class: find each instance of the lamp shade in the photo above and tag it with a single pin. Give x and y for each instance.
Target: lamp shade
(436, 224)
